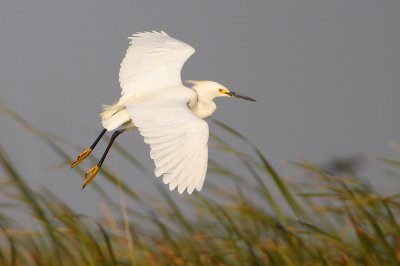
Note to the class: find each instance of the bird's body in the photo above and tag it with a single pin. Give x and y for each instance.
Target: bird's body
(167, 114)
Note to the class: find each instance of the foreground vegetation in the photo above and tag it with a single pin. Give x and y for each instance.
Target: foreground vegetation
(262, 220)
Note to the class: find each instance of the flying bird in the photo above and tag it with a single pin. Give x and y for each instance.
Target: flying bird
(169, 115)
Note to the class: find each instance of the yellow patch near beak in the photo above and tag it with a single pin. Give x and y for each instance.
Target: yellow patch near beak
(224, 91)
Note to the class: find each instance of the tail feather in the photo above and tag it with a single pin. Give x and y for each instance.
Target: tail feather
(114, 116)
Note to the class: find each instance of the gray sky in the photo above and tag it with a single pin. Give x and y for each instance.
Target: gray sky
(326, 75)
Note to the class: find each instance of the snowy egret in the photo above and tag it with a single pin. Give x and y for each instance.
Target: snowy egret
(167, 114)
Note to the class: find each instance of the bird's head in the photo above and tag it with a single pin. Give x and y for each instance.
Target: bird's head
(213, 89)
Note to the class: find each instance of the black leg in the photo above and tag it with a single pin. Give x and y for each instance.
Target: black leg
(113, 137)
(82, 156)
(98, 138)
(95, 169)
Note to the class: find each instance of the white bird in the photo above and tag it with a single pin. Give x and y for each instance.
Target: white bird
(167, 114)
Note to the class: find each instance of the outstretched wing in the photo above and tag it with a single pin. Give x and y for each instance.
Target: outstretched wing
(153, 61)
(177, 138)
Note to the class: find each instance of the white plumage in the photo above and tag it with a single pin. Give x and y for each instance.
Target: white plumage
(167, 114)
(177, 138)
(153, 61)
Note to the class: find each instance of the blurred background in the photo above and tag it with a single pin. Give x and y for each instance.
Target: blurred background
(325, 75)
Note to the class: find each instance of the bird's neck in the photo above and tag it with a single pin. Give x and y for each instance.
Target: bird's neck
(203, 107)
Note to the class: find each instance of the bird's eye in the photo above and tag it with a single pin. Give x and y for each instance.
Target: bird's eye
(220, 90)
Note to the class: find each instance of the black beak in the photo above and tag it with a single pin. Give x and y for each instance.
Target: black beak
(236, 95)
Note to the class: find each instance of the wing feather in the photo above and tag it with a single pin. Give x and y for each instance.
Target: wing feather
(190, 182)
(199, 168)
(177, 138)
(173, 162)
(153, 61)
(201, 177)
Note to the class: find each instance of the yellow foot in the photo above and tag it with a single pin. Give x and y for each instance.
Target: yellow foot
(81, 157)
(90, 175)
